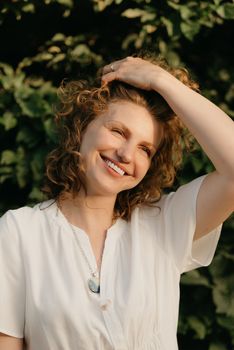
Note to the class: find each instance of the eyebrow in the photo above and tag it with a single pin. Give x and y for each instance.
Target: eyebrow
(149, 144)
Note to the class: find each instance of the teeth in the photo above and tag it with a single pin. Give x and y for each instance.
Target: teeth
(115, 167)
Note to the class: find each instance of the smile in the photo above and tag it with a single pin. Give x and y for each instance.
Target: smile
(114, 167)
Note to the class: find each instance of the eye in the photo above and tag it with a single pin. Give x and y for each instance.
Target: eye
(118, 131)
(146, 150)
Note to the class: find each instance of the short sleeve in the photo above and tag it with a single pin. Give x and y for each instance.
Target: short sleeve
(12, 279)
(178, 221)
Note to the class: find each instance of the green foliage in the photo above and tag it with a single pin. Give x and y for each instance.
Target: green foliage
(46, 41)
(21, 7)
(26, 115)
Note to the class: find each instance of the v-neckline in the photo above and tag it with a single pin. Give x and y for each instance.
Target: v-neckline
(112, 233)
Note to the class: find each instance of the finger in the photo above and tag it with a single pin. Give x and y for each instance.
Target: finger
(108, 69)
(108, 77)
(112, 66)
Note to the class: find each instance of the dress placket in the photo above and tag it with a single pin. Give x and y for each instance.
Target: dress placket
(107, 304)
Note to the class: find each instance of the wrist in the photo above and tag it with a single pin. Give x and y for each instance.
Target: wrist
(162, 81)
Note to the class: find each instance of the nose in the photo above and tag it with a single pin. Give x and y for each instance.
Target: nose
(125, 153)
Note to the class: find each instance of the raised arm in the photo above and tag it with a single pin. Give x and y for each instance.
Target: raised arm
(10, 343)
(212, 128)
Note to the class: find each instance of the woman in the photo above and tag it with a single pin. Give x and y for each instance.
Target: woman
(98, 265)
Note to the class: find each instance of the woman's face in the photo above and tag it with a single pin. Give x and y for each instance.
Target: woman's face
(117, 148)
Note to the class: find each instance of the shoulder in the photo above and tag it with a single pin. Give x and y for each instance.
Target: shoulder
(25, 216)
(182, 199)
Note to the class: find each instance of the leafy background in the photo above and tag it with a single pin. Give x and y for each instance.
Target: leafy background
(44, 41)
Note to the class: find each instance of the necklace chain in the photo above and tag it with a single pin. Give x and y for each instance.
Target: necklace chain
(94, 281)
(93, 273)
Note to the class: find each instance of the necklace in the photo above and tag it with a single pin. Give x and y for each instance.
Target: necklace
(94, 280)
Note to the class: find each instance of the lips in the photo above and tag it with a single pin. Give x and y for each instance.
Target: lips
(113, 164)
(114, 167)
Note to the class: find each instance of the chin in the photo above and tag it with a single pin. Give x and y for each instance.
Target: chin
(102, 186)
(102, 190)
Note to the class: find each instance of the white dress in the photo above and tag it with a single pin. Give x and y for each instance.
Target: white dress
(43, 276)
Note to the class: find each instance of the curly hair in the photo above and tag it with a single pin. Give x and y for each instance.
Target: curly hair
(80, 103)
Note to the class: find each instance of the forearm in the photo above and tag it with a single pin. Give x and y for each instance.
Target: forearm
(212, 128)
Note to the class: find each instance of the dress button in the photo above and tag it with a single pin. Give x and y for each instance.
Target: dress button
(105, 304)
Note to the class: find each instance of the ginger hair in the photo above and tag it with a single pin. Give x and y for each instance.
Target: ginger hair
(80, 103)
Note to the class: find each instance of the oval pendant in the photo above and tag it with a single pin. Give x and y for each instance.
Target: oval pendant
(94, 285)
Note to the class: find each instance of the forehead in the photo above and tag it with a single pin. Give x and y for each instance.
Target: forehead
(137, 119)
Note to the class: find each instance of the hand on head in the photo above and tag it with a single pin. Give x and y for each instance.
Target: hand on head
(134, 71)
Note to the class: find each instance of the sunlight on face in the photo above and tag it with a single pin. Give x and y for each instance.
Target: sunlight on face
(118, 146)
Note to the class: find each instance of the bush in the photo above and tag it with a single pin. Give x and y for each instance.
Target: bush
(46, 41)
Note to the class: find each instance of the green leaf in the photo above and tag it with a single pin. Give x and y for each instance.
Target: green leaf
(6, 172)
(31, 102)
(149, 28)
(186, 12)
(26, 62)
(174, 5)
(198, 327)
(27, 137)
(54, 49)
(58, 37)
(223, 295)
(217, 346)
(148, 17)
(217, 2)
(28, 8)
(230, 94)
(37, 165)
(68, 3)
(8, 120)
(50, 129)
(18, 80)
(224, 75)
(218, 266)
(69, 41)
(4, 177)
(58, 58)
(100, 5)
(229, 10)
(7, 69)
(21, 175)
(7, 82)
(162, 47)
(190, 29)
(168, 24)
(36, 195)
(172, 58)
(80, 50)
(226, 11)
(228, 256)
(141, 38)
(195, 278)
(21, 169)
(133, 13)
(8, 157)
(131, 38)
(197, 164)
(44, 56)
(226, 322)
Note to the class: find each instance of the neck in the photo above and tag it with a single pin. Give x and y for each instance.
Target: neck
(93, 214)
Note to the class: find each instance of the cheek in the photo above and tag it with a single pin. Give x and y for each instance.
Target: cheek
(106, 140)
(97, 141)
(142, 167)
(90, 141)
